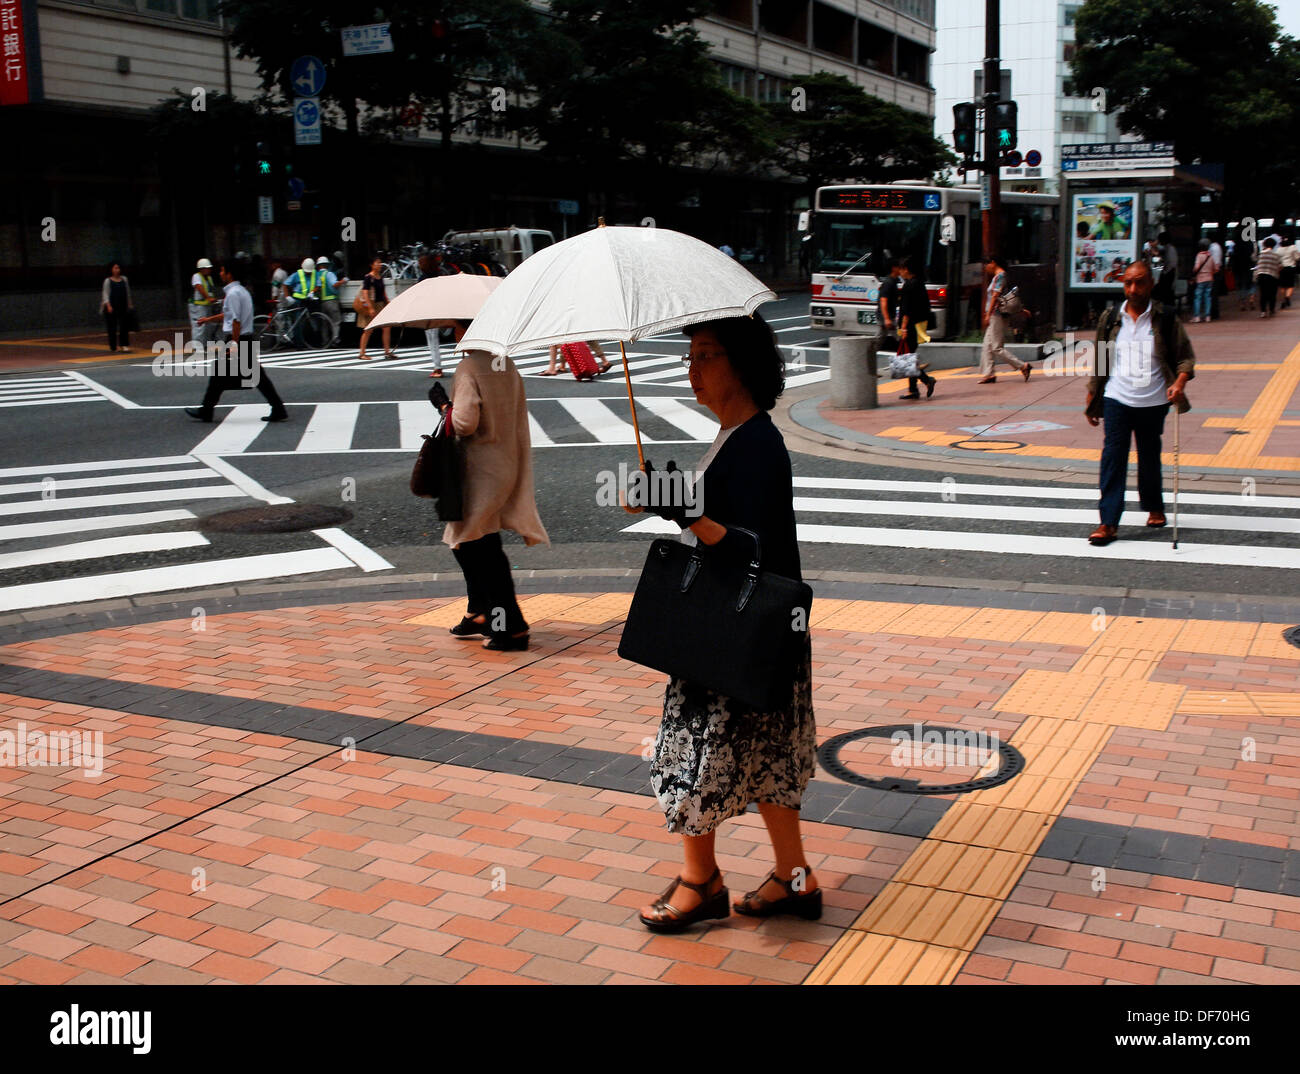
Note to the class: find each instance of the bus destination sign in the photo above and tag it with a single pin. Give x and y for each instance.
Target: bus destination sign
(879, 198)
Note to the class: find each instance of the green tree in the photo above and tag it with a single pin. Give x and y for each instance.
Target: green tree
(1216, 78)
(832, 129)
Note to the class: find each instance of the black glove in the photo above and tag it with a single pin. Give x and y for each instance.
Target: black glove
(663, 486)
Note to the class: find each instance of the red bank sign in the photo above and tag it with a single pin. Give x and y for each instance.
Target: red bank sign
(15, 50)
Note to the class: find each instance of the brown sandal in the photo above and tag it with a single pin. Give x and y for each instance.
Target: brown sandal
(671, 919)
(806, 904)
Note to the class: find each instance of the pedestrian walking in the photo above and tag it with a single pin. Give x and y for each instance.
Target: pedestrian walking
(1203, 269)
(889, 288)
(559, 363)
(913, 310)
(1220, 266)
(1243, 262)
(236, 319)
(373, 298)
(1268, 270)
(994, 322)
(490, 414)
(714, 755)
(203, 297)
(327, 283)
(1289, 256)
(1144, 361)
(118, 308)
(278, 278)
(457, 327)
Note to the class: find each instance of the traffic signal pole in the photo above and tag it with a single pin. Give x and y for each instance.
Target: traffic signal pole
(991, 207)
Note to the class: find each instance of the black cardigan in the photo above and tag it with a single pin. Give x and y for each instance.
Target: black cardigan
(749, 484)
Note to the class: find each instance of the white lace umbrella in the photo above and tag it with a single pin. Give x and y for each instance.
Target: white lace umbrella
(431, 303)
(621, 283)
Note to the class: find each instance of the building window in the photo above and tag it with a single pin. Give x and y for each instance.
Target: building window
(1076, 122)
(1070, 12)
(196, 10)
(1067, 51)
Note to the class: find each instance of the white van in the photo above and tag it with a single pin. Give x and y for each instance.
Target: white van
(511, 244)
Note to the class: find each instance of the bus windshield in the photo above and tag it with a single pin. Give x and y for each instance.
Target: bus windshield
(841, 240)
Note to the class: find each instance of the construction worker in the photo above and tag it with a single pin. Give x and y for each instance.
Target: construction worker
(329, 295)
(203, 300)
(302, 287)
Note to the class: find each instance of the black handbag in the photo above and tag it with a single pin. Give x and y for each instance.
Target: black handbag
(728, 625)
(438, 472)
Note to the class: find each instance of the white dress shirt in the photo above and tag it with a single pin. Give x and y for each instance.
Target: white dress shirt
(238, 306)
(1136, 379)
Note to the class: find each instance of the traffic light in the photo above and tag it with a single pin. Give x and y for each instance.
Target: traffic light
(1004, 124)
(263, 160)
(963, 129)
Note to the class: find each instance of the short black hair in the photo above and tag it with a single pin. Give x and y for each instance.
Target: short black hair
(993, 256)
(752, 351)
(1269, 243)
(234, 267)
(905, 263)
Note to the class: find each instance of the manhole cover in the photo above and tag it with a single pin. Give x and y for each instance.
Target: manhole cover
(276, 518)
(954, 745)
(1293, 636)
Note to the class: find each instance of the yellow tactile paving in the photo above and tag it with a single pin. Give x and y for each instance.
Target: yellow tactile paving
(549, 605)
(1040, 731)
(930, 620)
(986, 872)
(1049, 693)
(1214, 637)
(1131, 703)
(1216, 703)
(1277, 704)
(1263, 415)
(898, 431)
(446, 616)
(929, 915)
(1120, 665)
(1128, 632)
(1000, 624)
(824, 609)
(867, 617)
(602, 609)
(1065, 628)
(885, 960)
(1269, 644)
(993, 826)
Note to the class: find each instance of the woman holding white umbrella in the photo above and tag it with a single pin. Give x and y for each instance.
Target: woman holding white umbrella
(714, 755)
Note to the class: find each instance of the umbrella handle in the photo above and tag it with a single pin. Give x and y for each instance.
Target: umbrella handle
(636, 428)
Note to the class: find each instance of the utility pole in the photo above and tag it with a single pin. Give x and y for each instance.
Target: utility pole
(991, 200)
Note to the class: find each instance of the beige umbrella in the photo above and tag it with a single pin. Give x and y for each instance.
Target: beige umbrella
(435, 302)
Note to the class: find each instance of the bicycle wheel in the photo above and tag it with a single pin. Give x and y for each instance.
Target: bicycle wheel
(268, 335)
(317, 331)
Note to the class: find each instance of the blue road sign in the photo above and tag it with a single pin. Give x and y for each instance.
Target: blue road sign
(932, 201)
(1033, 158)
(307, 76)
(296, 187)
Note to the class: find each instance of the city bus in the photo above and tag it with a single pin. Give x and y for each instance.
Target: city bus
(855, 230)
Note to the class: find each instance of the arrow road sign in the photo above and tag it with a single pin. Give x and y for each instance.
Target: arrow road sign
(307, 75)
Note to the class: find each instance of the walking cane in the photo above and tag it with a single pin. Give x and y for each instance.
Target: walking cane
(1176, 449)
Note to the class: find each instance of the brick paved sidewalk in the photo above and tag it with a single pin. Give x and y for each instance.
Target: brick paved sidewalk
(343, 793)
(1245, 416)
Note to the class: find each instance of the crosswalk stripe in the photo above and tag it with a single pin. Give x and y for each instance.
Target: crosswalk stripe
(691, 422)
(102, 548)
(1029, 492)
(113, 479)
(237, 430)
(60, 379)
(26, 391)
(536, 434)
(180, 576)
(415, 418)
(82, 525)
(330, 428)
(122, 499)
(601, 422)
(110, 464)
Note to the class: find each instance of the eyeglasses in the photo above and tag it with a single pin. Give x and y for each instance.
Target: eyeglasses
(687, 359)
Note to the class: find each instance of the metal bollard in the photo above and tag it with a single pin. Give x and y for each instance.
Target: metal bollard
(853, 372)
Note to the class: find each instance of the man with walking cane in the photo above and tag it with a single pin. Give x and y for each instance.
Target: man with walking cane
(1144, 360)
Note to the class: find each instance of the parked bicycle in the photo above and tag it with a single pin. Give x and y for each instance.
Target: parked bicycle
(297, 327)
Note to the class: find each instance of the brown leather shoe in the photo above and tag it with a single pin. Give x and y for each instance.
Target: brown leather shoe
(987, 380)
(1103, 535)
(1156, 519)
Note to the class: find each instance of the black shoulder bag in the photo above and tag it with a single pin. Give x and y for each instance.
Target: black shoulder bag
(438, 471)
(727, 625)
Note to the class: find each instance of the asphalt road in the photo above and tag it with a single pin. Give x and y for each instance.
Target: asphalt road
(85, 445)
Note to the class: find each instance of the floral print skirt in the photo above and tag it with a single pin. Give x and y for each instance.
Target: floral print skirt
(715, 755)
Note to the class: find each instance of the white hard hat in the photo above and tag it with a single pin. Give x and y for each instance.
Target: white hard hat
(322, 260)
(308, 264)
(203, 263)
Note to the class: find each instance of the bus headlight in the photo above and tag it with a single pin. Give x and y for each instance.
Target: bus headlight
(822, 311)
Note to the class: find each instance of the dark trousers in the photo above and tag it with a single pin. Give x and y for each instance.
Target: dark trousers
(117, 322)
(907, 345)
(1124, 424)
(488, 585)
(1214, 295)
(219, 384)
(1267, 292)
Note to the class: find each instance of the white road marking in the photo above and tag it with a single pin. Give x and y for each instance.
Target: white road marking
(121, 499)
(600, 421)
(330, 428)
(110, 464)
(536, 434)
(237, 430)
(415, 418)
(111, 479)
(250, 488)
(107, 393)
(365, 558)
(100, 522)
(691, 422)
(105, 546)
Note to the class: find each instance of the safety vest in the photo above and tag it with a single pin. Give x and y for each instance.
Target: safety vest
(303, 289)
(325, 293)
(207, 284)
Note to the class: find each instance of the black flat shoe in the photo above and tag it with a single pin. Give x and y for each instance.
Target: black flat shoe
(670, 919)
(910, 395)
(277, 417)
(198, 415)
(806, 904)
(506, 643)
(929, 388)
(469, 627)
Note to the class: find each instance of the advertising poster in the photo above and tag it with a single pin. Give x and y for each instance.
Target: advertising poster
(1103, 243)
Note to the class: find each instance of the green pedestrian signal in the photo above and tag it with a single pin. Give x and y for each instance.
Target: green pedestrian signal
(1004, 123)
(264, 167)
